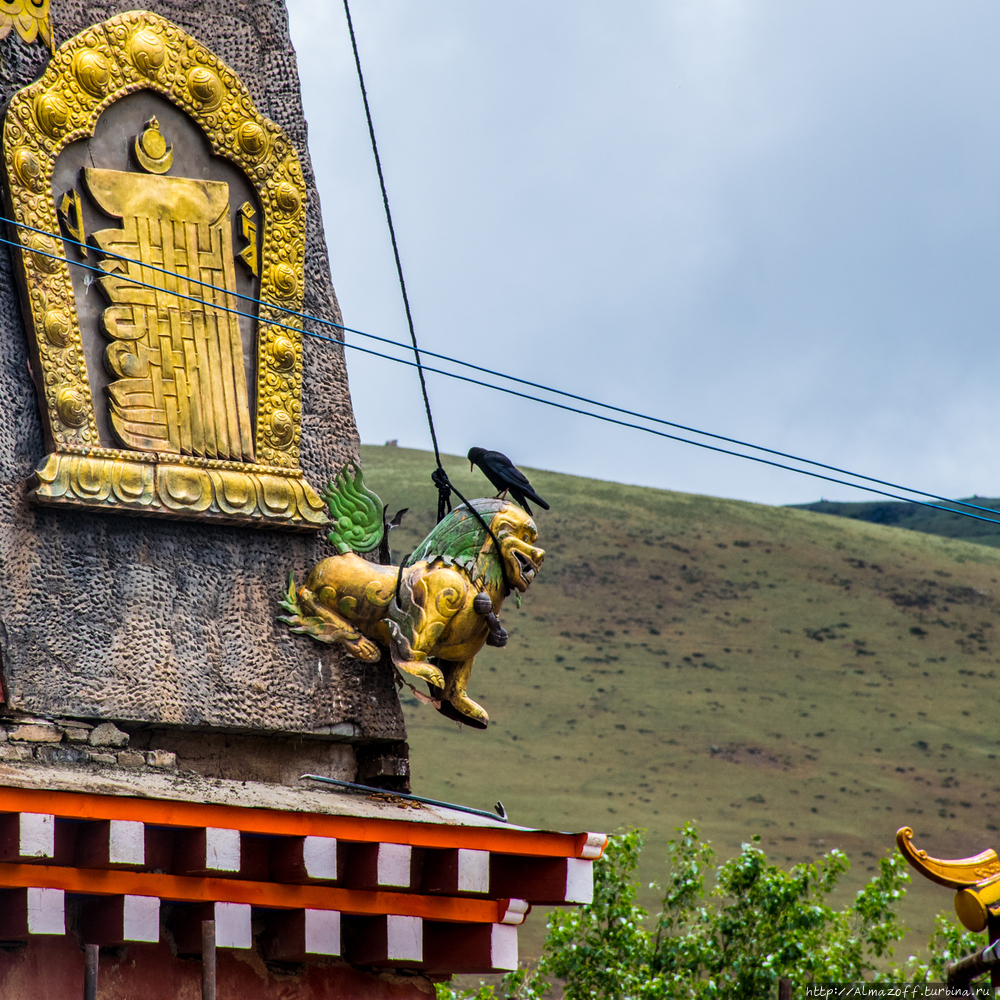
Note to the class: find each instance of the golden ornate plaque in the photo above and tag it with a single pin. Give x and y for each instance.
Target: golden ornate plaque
(139, 165)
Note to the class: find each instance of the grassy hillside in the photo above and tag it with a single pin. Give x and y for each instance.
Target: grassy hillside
(822, 681)
(917, 518)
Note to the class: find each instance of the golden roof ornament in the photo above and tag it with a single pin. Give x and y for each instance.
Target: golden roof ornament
(977, 880)
(182, 396)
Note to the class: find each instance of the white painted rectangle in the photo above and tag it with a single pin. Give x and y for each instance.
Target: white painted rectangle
(46, 911)
(141, 918)
(319, 855)
(404, 938)
(503, 947)
(593, 846)
(517, 910)
(232, 925)
(322, 932)
(579, 881)
(127, 842)
(394, 865)
(36, 835)
(222, 850)
(473, 870)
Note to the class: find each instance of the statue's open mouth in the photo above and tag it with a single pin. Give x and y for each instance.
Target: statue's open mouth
(527, 568)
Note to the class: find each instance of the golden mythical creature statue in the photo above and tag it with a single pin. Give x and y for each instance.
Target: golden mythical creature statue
(435, 612)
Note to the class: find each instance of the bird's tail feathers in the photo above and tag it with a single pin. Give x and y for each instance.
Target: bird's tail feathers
(533, 496)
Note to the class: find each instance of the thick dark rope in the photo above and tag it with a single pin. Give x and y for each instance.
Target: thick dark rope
(440, 479)
(443, 494)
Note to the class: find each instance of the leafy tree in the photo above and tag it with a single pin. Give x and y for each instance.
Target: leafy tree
(755, 924)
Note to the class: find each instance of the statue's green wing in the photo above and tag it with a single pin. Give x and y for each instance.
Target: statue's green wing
(356, 512)
(460, 539)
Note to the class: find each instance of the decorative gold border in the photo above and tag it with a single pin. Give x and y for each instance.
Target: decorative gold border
(171, 486)
(136, 51)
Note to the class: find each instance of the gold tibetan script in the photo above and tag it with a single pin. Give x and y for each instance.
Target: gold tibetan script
(181, 384)
(188, 426)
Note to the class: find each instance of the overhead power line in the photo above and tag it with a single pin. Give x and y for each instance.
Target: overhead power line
(489, 371)
(513, 392)
(671, 437)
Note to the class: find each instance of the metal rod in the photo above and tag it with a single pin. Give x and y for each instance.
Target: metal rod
(354, 787)
(993, 932)
(208, 960)
(91, 955)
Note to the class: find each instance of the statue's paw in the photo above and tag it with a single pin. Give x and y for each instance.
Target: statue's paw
(363, 648)
(466, 711)
(423, 669)
(320, 630)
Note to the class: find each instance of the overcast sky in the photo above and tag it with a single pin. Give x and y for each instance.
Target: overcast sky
(772, 220)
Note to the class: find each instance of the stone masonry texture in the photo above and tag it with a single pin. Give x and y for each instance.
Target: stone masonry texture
(105, 617)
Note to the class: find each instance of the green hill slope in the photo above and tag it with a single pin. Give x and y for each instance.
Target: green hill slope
(822, 681)
(917, 518)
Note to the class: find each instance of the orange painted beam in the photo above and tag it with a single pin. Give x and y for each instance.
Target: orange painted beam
(276, 895)
(161, 812)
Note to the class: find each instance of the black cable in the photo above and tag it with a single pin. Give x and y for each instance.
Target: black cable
(187, 279)
(512, 392)
(371, 789)
(663, 434)
(456, 361)
(443, 493)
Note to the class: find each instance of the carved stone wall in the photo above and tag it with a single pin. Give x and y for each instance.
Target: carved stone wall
(161, 623)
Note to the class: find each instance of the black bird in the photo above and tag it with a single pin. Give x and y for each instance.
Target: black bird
(505, 475)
